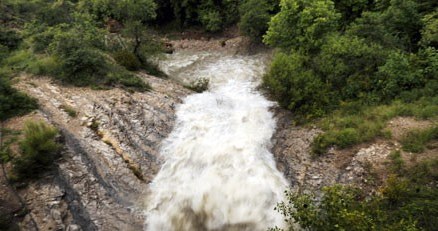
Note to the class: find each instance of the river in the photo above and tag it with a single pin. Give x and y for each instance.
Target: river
(217, 172)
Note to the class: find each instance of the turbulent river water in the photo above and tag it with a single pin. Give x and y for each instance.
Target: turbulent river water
(218, 173)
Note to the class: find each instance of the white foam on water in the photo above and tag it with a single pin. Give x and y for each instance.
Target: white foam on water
(218, 173)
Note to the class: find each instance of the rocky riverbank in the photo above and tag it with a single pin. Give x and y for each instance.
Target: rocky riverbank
(110, 154)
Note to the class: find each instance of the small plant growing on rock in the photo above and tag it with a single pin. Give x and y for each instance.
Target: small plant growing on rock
(69, 110)
(39, 150)
(199, 85)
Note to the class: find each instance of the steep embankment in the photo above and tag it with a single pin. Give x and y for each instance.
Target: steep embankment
(111, 153)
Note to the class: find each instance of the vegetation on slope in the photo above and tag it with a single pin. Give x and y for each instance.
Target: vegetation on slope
(344, 61)
(351, 66)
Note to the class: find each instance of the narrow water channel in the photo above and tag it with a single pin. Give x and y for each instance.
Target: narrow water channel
(218, 173)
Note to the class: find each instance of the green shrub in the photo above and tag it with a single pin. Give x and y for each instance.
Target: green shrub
(69, 110)
(4, 52)
(128, 80)
(348, 64)
(302, 24)
(153, 69)
(39, 150)
(399, 207)
(20, 60)
(128, 60)
(397, 164)
(297, 88)
(9, 38)
(83, 67)
(416, 140)
(430, 32)
(398, 74)
(255, 15)
(45, 65)
(13, 102)
(211, 20)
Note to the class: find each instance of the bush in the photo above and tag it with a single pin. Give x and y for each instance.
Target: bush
(69, 110)
(398, 74)
(9, 38)
(297, 88)
(302, 24)
(127, 60)
(211, 20)
(128, 80)
(416, 140)
(429, 33)
(255, 15)
(399, 207)
(83, 67)
(39, 150)
(348, 64)
(13, 102)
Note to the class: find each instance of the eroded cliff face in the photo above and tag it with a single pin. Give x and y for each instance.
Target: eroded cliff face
(110, 154)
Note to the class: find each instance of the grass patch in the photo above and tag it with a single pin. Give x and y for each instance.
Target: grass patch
(69, 110)
(354, 123)
(416, 140)
(397, 164)
(39, 149)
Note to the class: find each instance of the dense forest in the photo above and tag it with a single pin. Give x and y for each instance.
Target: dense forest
(348, 66)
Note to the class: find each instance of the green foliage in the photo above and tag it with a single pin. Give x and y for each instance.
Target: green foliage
(127, 59)
(399, 207)
(121, 10)
(211, 20)
(9, 38)
(416, 140)
(351, 9)
(342, 52)
(429, 33)
(397, 163)
(255, 15)
(295, 87)
(127, 80)
(398, 74)
(212, 15)
(348, 63)
(39, 150)
(403, 20)
(69, 110)
(354, 123)
(302, 24)
(13, 102)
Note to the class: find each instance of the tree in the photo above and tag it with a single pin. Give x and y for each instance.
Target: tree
(255, 15)
(302, 24)
(296, 87)
(429, 33)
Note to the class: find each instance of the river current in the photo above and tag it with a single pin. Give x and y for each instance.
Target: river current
(217, 172)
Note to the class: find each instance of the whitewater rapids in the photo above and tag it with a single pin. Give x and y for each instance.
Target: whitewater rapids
(218, 173)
